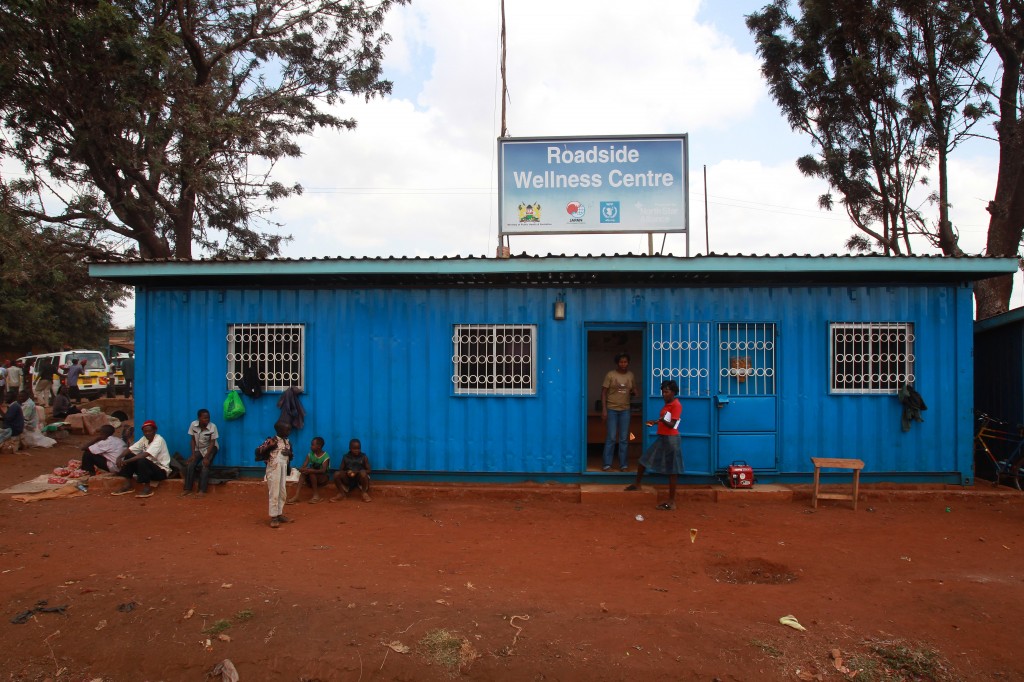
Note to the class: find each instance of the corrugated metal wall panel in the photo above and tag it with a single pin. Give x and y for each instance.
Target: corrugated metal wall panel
(999, 366)
(378, 367)
(816, 423)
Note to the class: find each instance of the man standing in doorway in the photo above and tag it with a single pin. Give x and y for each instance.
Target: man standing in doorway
(618, 388)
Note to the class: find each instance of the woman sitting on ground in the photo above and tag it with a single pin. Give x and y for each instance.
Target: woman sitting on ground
(62, 406)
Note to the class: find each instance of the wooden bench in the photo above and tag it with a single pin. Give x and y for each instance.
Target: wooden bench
(836, 463)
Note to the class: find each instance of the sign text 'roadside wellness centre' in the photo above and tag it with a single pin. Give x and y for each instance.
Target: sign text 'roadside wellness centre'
(562, 185)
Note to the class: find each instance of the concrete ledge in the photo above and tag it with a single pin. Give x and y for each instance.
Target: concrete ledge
(610, 494)
(768, 492)
(616, 495)
(471, 491)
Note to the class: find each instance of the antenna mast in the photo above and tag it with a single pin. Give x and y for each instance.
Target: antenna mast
(504, 84)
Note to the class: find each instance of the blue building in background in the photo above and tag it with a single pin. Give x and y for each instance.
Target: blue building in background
(461, 369)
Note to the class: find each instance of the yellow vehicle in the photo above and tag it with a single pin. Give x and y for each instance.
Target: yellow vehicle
(92, 383)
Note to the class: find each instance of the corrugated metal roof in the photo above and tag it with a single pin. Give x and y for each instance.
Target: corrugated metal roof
(1014, 316)
(553, 270)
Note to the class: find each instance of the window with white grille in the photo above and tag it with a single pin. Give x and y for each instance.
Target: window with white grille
(746, 359)
(276, 351)
(494, 359)
(871, 357)
(681, 351)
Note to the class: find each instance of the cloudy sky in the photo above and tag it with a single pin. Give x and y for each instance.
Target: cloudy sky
(417, 177)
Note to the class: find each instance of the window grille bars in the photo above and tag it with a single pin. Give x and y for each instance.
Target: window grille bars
(680, 351)
(871, 357)
(276, 350)
(494, 359)
(746, 359)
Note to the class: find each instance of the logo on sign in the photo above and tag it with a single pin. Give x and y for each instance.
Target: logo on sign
(529, 213)
(609, 211)
(576, 211)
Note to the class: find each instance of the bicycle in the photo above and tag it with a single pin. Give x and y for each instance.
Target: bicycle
(1002, 437)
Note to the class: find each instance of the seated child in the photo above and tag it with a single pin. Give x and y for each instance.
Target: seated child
(313, 471)
(354, 471)
(101, 452)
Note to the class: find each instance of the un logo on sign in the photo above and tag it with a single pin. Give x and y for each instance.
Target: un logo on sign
(609, 211)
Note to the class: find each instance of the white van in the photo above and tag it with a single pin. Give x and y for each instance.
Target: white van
(92, 382)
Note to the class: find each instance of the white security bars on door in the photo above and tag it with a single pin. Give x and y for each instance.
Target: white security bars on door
(494, 359)
(871, 357)
(746, 359)
(680, 351)
(276, 351)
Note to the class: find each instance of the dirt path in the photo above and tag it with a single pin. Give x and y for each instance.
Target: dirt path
(504, 590)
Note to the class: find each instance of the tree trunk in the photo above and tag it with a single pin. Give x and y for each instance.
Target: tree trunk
(1006, 209)
(992, 296)
(1006, 224)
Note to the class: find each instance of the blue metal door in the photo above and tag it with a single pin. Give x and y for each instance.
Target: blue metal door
(682, 351)
(747, 400)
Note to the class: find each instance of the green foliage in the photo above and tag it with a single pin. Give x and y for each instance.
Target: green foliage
(218, 627)
(47, 299)
(141, 120)
(884, 89)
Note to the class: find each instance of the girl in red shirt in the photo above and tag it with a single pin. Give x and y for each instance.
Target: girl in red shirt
(665, 456)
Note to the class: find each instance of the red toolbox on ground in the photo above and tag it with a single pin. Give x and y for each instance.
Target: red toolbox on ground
(740, 475)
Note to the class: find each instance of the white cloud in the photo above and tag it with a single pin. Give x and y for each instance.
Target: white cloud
(417, 176)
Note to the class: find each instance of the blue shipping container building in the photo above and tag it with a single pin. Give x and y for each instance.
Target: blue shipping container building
(466, 369)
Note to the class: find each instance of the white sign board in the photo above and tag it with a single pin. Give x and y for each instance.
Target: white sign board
(593, 185)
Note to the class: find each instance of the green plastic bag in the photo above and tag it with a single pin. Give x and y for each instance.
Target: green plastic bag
(233, 407)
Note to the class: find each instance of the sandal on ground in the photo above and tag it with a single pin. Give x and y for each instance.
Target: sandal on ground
(336, 498)
(283, 519)
(366, 497)
(631, 487)
(146, 492)
(274, 523)
(667, 506)
(123, 491)
(314, 500)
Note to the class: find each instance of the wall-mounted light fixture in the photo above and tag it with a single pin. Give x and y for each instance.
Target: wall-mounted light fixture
(560, 307)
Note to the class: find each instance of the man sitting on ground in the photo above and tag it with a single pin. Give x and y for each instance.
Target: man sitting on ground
(14, 421)
(147, 459)
(101, 452)
(62, 406)
(204, 435)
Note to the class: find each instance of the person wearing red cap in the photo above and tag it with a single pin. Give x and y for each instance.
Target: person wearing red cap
(147, 459)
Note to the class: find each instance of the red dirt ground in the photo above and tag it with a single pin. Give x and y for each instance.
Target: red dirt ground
(531, 587)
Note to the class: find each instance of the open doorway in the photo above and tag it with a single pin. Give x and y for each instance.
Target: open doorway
(603, 345)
